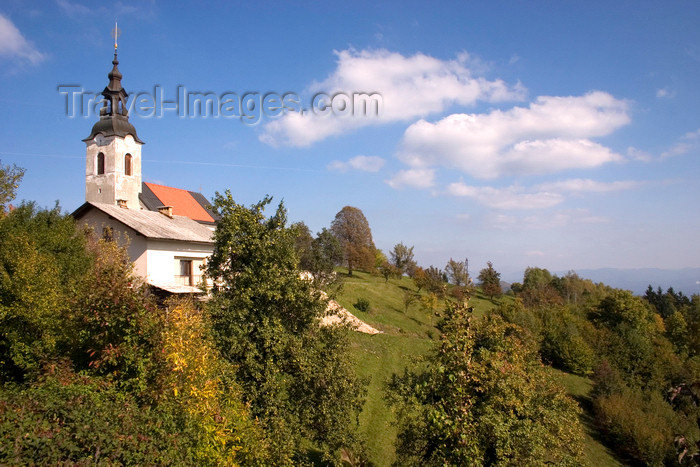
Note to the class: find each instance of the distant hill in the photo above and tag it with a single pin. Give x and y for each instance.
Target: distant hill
(685, 280)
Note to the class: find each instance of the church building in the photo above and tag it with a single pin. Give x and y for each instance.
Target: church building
(169, 231)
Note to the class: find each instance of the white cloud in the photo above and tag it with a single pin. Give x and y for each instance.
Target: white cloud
(534, 253)
(14, 46)
(579, 185)
(363, 163)
(73, 8)
(118, 9)
(692, 134)
(549, 136)
(664, 92)
(545, 195)
(559, 219)
(410, 87)
(687, 143)
(413, 178)
(639, 155)
(510, 198)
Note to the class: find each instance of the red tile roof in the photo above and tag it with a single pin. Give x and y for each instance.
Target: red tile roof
(182, 201)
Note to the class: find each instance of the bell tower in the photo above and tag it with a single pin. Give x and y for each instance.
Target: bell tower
(113, 156)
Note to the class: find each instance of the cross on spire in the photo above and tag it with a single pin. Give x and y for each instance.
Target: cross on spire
(116, 32)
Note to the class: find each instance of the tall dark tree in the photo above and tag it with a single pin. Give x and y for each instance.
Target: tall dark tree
(352, 230)
(319, 255)
(303, 244)
(490, 281)
(327, 254)
(265, 317)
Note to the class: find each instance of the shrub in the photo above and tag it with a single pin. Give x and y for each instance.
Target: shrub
(362, 304)
(640, 426)
(83, 421)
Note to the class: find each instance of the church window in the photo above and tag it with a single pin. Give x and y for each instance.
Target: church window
(100, 164)
(127, 164)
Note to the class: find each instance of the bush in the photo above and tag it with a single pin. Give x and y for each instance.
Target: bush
(640, 426)
(74, 420)
(362, 304)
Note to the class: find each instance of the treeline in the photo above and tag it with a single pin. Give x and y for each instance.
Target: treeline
(642, 354)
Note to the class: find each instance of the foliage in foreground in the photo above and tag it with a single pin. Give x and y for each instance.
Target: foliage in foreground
(484, 398)
(82, 420)
(93, 372)
(265, 320)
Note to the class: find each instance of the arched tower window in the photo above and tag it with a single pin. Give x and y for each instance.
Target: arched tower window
(100, 164)
(127, 164)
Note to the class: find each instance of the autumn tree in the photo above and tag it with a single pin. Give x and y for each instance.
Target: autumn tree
(197, 383)
(402, 259)
(433, 279)
(484, 398)
(490, 281)
(265, 316)
(352, 230)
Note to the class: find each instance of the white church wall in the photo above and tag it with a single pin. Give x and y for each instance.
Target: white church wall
(163, 257)
(135, 244)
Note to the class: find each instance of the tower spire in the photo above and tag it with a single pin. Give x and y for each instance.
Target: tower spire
(114, 114)
(113, 153)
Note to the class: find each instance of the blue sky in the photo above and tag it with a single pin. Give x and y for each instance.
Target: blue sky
(557, 134)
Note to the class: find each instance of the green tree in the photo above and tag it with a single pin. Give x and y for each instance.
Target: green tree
(328, 253)
(319, 255)
(10, 177)
(352, 230)
(677, 332)
(303, 244)
(402, 259)
(294, 373)
(538, 288)
(42, 262)
(388, 270)
(409, 298)
(457, 272)
(490, 281)
(484, 398)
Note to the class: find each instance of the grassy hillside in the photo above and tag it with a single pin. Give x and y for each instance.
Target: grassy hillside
(406, 337)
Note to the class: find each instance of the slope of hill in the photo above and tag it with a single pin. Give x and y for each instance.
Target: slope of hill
(407, 335)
